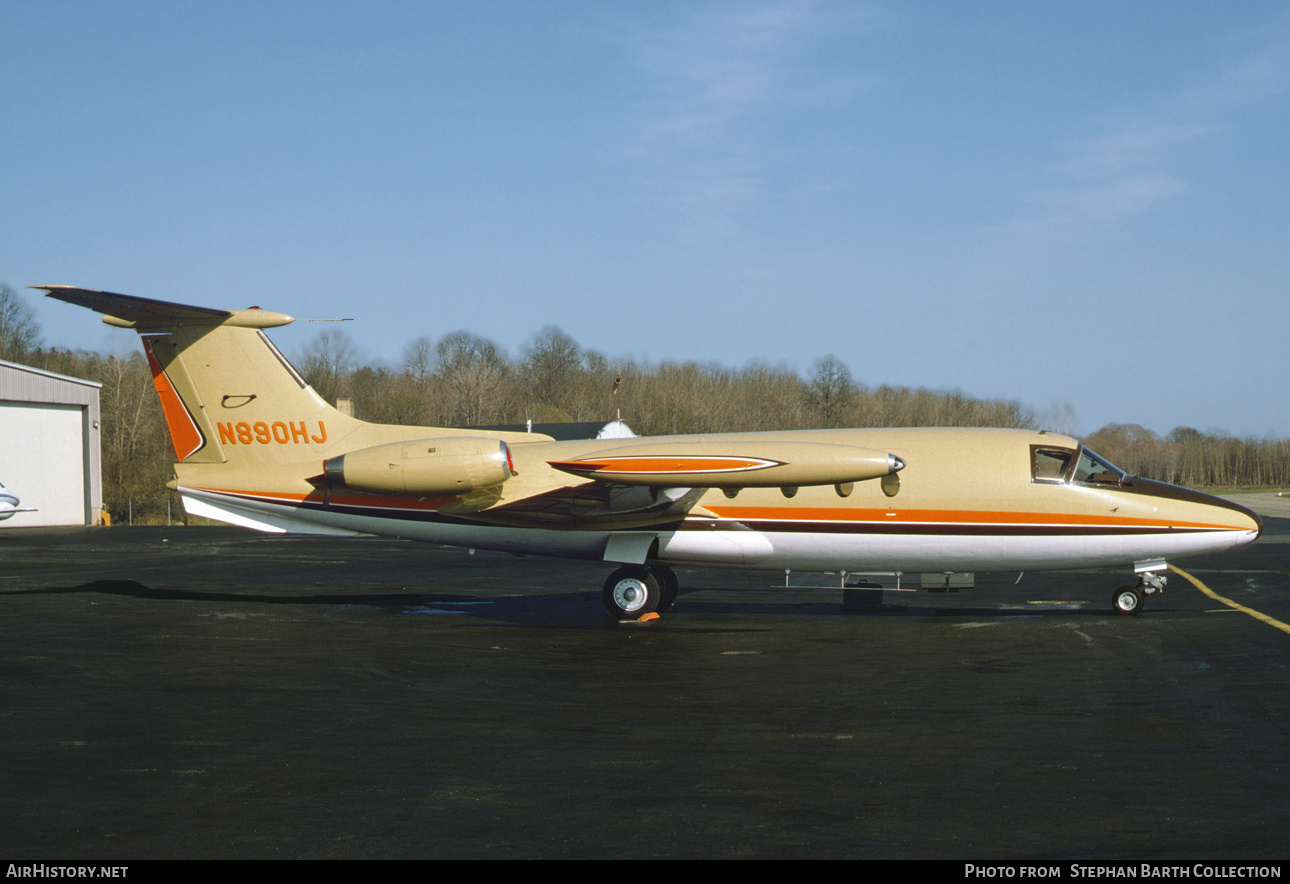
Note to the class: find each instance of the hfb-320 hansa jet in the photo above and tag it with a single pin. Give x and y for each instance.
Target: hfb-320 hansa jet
(256, 446)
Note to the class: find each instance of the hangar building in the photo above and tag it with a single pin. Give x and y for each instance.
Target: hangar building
(49, 447)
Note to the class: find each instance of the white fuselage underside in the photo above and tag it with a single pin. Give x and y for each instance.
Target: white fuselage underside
(802, 550)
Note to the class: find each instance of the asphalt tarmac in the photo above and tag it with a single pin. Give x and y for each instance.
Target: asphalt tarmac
(210, 692)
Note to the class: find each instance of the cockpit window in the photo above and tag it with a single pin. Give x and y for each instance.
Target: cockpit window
(1060, 465)
(1050, 464)
(1095, 470)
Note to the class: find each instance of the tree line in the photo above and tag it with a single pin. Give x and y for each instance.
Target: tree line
(465, 380)
(1186, 456)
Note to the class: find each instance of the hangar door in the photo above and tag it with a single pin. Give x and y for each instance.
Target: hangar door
(42, 461)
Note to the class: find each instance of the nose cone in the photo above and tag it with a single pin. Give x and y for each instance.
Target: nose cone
(1234, 517)
(1216, 513)
(1256, 524)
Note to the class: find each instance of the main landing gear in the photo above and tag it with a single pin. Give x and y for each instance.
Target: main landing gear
(636, 590)
(1129, 599)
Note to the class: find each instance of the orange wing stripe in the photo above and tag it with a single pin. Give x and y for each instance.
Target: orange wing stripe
(665, 465)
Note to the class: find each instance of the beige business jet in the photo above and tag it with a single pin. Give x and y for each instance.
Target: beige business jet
(256, 446)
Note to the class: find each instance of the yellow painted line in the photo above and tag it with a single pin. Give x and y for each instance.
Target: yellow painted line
(1257, 615)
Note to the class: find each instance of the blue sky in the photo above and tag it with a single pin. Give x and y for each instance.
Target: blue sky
(1084, 207)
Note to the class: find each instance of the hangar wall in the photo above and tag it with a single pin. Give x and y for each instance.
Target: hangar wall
(49, 447)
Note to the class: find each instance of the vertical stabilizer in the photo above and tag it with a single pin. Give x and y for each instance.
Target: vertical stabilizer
(254, 409)
(229, 396)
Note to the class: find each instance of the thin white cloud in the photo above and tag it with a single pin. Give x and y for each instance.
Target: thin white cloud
(719, 84)
(1124, 195)
(725, 63)
(1257, 75)
(1128, 148)
(1135, 162)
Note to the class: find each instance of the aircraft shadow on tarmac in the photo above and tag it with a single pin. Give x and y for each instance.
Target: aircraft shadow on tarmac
(572, 609)
(135, 589)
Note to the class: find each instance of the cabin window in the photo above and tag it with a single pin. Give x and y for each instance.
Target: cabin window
(1050, 464)
(1096, 470)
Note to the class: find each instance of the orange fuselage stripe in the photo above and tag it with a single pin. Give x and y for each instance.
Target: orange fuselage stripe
(964, 517)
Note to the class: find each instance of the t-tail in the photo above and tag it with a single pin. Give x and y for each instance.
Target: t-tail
(242, 419)
(228, 395)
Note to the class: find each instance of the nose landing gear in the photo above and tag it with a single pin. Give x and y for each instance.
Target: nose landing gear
(1129, 599)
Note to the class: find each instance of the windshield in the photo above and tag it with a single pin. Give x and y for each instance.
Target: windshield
(1060, 465)
(1096, 470)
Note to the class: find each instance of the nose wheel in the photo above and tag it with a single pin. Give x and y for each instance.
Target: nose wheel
(1127, 600)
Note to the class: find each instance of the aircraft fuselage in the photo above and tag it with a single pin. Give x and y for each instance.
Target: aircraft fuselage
(968, 499)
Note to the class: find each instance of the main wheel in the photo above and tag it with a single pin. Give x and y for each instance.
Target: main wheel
(1127, 600)
(668, 583)
(632, 591)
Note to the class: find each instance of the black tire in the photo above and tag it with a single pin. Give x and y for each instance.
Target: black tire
(631, 592)
(668, 583)
(1127, 600)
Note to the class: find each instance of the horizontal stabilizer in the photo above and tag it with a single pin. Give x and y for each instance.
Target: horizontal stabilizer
(128, 311)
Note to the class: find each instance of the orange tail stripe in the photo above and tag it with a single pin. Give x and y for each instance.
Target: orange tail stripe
(184, 434)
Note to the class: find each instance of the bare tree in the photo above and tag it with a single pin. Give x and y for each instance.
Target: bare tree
(328, 364)
(418, 360)
(18, 330)
(832, 393)
(137, 452)
(472, 373)
(550, 374)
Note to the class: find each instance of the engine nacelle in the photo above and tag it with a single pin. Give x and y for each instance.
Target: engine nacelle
(445, 467)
